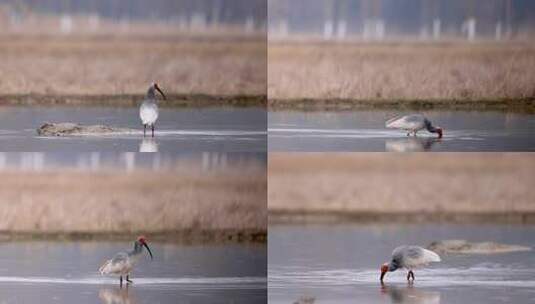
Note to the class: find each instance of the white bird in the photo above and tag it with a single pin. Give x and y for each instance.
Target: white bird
(409, 257)
(413, 123)
(123, 262)
(148, 111)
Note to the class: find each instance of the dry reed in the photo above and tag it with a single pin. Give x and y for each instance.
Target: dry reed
(459, 71)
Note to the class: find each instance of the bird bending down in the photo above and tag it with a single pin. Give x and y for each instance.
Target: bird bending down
(148, 111)
(412, 124)
(409, 257)
(123, 262)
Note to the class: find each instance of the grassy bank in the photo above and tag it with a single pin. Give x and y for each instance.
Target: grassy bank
(57, 65)
(518, 105)
(367, 187)
(133, 100)
(217, 236)
(401, 71)
(188, 205)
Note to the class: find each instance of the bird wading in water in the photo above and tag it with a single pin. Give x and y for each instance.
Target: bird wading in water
(409, 257)
(412, 124)
(148, 111)
(123, 262)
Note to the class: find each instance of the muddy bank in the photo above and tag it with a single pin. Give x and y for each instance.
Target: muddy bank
(517, 105)
(133, 100)
(330, 217)
(466, 247)
(189, 236)
(73, 129)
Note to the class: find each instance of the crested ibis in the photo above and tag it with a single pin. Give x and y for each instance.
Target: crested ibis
(123, 262)
(148, 111)
(409, 257)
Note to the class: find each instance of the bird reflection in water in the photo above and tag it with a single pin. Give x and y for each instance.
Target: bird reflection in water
(411, 144)
(116, 296)
(410, 294)
(148, 144)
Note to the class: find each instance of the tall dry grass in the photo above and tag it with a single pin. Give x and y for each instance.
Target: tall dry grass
(475, 183)
(66, 201)
(127, 64)
(401, 71)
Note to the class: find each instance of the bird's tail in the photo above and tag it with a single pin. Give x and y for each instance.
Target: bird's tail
(431, 256)
(389, 122)
(103, 269)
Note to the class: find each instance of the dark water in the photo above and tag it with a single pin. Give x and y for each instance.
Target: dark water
(222, 129)
(365, 131)
(340, 264)
(55, 272)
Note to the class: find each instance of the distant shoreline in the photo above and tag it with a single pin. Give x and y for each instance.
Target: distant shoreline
(521, 105)
(214, 236)
(300, 217)
(133, 100)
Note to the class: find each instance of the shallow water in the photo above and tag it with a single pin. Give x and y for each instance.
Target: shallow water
(128, 161)
(340, 264)
(221, 129)
(365, 131)
(56, 272)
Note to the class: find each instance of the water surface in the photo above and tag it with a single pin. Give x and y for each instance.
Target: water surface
(218, 129)
(365, 131)
(56, 272)
(340, 264)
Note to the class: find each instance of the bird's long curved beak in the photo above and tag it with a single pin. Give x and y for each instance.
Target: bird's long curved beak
(163, 95)
(148, 249)
(382, 275)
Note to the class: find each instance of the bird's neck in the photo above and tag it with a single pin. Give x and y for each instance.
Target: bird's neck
(393, 266)
(151, 94)
(430, 126)
(138, 249)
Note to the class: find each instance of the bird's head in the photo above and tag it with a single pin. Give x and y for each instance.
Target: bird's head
(155, 86)
(384, 270)
(143, 242)
(439, 131)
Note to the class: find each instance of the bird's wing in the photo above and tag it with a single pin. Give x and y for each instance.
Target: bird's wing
(431, 256)
(110, 266)
(414, 256)
(413, 121)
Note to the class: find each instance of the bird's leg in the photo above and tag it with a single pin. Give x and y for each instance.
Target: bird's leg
(408, 134)
(411, 274)
(144, 129)
(152, 130)
(128, 280)
(121, 281)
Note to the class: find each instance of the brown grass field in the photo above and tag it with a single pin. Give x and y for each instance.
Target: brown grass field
(185, 203)
(367, 187)
(56, 65)
(400, 71)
